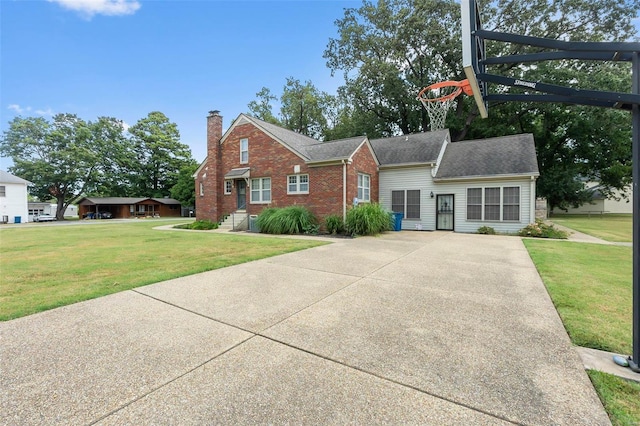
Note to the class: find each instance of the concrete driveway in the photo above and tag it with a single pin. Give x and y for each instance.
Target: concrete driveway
(407, 328)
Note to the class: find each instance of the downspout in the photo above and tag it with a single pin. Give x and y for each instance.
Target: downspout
(344, 190)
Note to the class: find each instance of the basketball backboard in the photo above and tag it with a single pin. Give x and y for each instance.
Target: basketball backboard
(473, 53)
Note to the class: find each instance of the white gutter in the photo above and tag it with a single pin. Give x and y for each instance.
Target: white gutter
(344, 190)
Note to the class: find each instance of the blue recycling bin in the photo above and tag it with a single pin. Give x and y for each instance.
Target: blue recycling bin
(17, 219)
(397, 221)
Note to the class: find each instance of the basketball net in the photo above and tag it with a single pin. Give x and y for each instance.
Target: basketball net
(438, 98)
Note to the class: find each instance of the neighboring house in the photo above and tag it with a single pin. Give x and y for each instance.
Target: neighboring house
(435, 184)
(37, 208)
(600, 204)
(13, 198)
(129, 207)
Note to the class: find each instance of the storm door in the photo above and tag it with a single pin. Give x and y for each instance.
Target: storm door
(444, 213)
(241, 187)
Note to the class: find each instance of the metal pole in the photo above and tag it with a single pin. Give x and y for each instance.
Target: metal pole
(634, 360)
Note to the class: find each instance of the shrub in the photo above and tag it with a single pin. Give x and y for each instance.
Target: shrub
(487, 230)
(540, 229)
(199, 225)
(368, 219)
(286, 220)
(334, 224)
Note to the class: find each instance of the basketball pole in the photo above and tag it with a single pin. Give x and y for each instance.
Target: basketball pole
(634, 360)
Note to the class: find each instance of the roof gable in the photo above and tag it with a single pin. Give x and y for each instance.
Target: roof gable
(6, 177)
(502, 156)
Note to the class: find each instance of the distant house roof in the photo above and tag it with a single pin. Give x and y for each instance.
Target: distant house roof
(410, 149)
(123, 200)
(503, 156)
(6, 177)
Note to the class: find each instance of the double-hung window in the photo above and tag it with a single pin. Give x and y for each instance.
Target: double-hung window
(244, 151)
(364, 187)
(3, 191)
(261, 190)
(406, 202)
(493, 203)
(228, 184)
(201, 189)
(298, 184)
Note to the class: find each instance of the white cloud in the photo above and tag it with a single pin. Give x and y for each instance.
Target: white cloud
(18, 109)
(89, 8)
(47, 111)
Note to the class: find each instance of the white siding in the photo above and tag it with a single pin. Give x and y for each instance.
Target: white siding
(410, 179)
(14, 203)
(459, 189)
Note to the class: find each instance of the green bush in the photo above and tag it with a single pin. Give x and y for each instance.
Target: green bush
(368, 219)
(287, 220)
(199, 225)
(334, 224)
(540, 229)
(487, 230)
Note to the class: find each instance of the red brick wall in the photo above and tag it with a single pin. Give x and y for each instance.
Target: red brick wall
(269, 158)
(208, 205)
(363, 162)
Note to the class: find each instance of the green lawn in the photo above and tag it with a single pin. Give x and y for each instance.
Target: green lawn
(44, 267)
(590, 285)
(610, 227)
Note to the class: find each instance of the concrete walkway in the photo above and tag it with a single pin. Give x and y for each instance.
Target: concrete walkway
(407, 328)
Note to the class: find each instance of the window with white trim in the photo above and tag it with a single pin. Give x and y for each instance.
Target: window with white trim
(511, 203)
(493, 204)
(406, 202)
(298, 184)
(228, 184)
(201, 188)
(261, 190)
(474, 203)
(364, 187)
(3, 191)
(244, 151)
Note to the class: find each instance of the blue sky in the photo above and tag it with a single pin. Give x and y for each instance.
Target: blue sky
(126, 58)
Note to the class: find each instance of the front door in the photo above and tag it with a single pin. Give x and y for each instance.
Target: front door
(444, 214)
(241, 187)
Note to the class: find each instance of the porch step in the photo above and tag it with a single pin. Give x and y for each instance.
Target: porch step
(237, 219)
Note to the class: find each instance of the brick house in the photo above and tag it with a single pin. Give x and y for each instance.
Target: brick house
(256, 164)
(435, 183)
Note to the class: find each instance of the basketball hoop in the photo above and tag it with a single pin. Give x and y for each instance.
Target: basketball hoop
(438, 98)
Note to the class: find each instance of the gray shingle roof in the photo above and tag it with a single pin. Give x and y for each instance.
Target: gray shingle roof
(309, 148)
(507, 155)
(238, 173)
(410, 149)
(6, 177)
(338, 149)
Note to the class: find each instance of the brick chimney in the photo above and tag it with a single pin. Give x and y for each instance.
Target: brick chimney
(208, 204)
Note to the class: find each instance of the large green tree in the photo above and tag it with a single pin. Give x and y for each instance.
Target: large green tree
(159, 155)
(63, 158)
(184, 189)
(390, 49)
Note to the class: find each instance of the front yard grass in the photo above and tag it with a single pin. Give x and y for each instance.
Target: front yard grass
(591, 287)
(609, 227)
(50, 266)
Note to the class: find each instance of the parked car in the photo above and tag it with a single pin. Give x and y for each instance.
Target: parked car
(105, 215)
(44, 218)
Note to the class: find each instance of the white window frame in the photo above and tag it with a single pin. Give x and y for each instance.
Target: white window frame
(244, 149)
(364, 191)
(260, 191)
(228, 185)
(201, 189)
(297, 181)
(405, 203)
(3, 191)
(501, 205)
